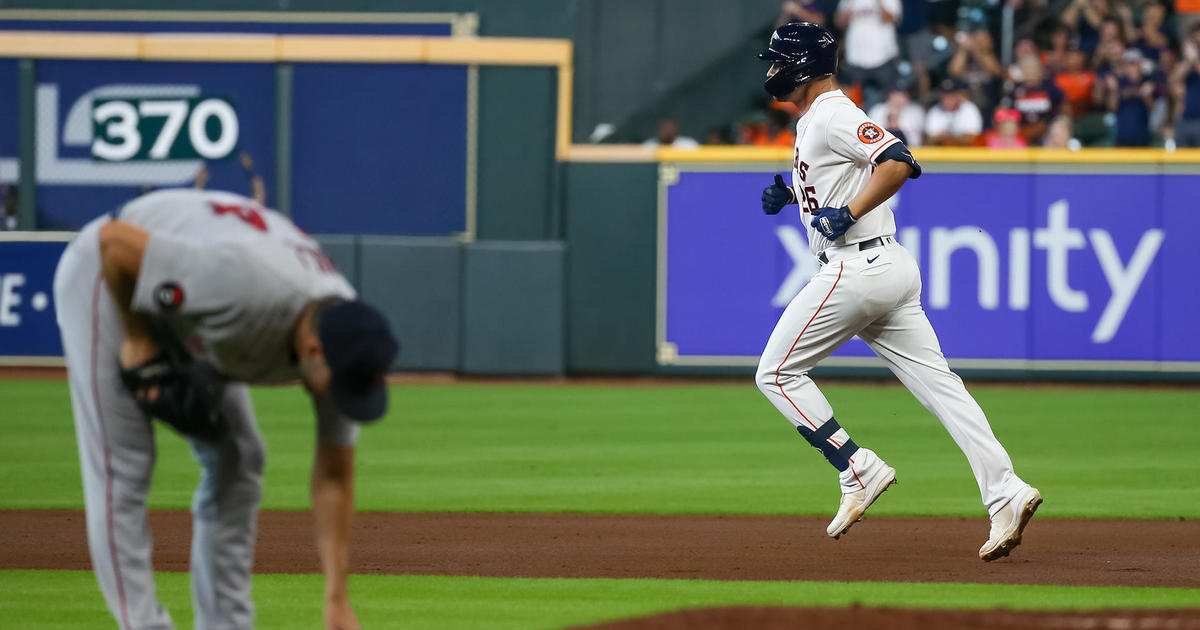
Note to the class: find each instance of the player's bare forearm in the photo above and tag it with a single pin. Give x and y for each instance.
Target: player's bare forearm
(883, 183)
(333, 504)
(122, 246)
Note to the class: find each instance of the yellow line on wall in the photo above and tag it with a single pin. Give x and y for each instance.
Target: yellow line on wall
(737, 154)
(301, 17)
(487, 51)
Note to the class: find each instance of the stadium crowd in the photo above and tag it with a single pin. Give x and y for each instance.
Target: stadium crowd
(1079, 72)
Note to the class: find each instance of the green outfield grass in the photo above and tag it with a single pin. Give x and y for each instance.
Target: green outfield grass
(720, 448)
(69, 599)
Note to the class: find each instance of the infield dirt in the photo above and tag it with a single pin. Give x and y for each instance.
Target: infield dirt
(866, 618)
(1154, 553)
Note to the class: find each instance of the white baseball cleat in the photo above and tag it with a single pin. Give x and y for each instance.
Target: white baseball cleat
(1008, 524)
(854, 504)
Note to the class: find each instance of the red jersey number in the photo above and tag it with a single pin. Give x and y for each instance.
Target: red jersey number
(248, 215)
(810, 199)
(313, 259)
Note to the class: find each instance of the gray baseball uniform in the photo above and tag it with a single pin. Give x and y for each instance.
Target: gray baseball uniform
(227, 278)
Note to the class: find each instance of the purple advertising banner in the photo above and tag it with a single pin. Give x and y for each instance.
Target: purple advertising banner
(28, 329)
(1019, 270)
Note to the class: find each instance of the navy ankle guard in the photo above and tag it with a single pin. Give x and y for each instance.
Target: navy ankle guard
(838, 456)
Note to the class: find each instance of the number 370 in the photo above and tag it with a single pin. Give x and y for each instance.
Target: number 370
(121, 122)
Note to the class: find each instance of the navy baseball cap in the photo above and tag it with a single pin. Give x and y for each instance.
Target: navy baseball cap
(359, 349)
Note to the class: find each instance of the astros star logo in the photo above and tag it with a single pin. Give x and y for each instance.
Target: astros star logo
(869, 133)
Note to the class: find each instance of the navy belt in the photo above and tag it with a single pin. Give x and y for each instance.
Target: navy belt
(871, 243)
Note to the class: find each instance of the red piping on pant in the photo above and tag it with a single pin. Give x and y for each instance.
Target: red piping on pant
(108, 497)
(841, 268)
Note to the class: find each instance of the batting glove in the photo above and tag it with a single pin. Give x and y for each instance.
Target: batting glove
(832, 222)
(776, 196)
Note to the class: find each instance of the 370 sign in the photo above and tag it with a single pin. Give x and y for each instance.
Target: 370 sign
(163, 129)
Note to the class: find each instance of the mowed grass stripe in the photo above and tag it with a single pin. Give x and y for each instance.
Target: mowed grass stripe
(690, 448)
(70, 599)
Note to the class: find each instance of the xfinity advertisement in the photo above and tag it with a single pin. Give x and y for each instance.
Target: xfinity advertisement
(1019, 270)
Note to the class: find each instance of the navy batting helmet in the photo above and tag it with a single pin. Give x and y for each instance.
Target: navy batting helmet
(803, 51)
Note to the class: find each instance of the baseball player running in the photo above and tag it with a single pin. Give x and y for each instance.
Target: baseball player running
(167, 311)
(846, 166)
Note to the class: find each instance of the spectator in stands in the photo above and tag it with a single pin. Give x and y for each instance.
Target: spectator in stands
(899, 115)
(1085, 18)
(972, 14)
(1161, 120)
(718, 135)
(1111, 38)
(1129, 94)
(1153, 39)
(1030, 16)
(1024, 49)
(916, 41)
(1060, 135)
(1187, 15)
(1108, 59)
(9, 219)
(1076, 82)
(1122, 11)
(1007, 131)
(975, 64)
(1185, 85)
(954, 121)
(778, 132)
(1054, 59)
(668, 136)
(1036, 98)
(870, 44)
(805, 10)
(938, 63)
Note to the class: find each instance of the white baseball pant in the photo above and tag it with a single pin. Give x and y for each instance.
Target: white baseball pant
(876, 294)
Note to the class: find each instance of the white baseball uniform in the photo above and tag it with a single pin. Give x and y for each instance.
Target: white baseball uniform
(228, 278)
(874, 293)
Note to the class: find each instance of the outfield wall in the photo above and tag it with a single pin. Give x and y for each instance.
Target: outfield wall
(604, 258)
(1035, 264)
(1030, 268)
(488, 307)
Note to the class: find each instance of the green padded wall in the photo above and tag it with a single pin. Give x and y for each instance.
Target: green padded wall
(417, 283)
(342, 249)
(513, 308)
(516, 154)
(611, 220)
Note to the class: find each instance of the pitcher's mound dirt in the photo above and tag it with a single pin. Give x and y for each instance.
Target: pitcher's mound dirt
(860, 618)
